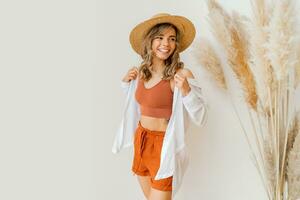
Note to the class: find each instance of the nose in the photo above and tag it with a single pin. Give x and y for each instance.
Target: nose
(165, 42)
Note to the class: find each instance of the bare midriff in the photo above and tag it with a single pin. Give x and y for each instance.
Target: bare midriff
(152, 123)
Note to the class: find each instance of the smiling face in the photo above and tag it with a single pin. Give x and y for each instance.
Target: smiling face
(161, 47)
(164, 44)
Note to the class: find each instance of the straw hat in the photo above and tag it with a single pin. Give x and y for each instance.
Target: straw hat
(184, 26)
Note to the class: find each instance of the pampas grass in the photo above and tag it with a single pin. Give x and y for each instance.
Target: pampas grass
(266, 62)
(270, 166)
(297, 73)
(297, 76)
(282, 40)
(293, 164)
(293, 168)
(230, 34)
(259, 63)
(209, 59)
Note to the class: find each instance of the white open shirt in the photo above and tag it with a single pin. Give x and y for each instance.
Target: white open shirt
(174, 158)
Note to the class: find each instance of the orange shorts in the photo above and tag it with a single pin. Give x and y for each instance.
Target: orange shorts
(146, 161)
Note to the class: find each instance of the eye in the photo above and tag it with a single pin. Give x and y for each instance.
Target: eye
(159, 37)
(172, 39)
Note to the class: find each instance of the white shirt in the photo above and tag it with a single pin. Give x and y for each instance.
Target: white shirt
(174, 158)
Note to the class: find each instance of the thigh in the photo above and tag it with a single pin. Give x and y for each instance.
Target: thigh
(145, 184)
(160, 195)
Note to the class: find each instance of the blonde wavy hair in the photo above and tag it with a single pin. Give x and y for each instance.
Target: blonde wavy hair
(172, 63)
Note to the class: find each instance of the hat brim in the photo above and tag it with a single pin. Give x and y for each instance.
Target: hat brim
(184, 26)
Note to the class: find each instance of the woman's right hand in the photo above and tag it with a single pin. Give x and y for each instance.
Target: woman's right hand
(131, 74)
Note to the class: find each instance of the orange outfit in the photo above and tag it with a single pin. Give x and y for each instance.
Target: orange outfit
(155, 101)
(146, 161)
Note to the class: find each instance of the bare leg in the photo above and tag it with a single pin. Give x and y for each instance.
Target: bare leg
(159, 195)
(145, 185)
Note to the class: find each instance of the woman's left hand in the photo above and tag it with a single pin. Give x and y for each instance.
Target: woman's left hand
(182, 84)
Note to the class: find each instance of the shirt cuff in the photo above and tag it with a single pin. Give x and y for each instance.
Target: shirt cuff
(124, 84)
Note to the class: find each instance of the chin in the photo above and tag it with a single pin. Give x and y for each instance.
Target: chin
(163, 57)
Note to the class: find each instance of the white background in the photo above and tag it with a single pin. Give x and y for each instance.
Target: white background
(60, 66)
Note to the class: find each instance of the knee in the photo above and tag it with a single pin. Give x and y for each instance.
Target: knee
(159, 195)
(147, 194)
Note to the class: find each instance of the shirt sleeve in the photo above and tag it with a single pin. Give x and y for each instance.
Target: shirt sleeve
(196, 106)
(125, 86)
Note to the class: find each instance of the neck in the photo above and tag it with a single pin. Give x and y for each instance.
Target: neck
(158, 66)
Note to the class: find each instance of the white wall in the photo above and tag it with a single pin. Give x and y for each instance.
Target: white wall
(61, 63)
(220, 165)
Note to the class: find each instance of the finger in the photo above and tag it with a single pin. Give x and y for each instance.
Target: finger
(133, 73)
(135, 69)
(177, 79)
(178, 76)
(132, 76)
(131, 70)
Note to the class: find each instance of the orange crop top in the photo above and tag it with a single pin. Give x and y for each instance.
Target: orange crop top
(155, 101)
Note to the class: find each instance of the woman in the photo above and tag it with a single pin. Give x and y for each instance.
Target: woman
(162, 97)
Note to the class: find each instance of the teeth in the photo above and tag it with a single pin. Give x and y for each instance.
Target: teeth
(163, 50)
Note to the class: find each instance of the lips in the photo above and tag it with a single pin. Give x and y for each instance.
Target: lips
(164, 50)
